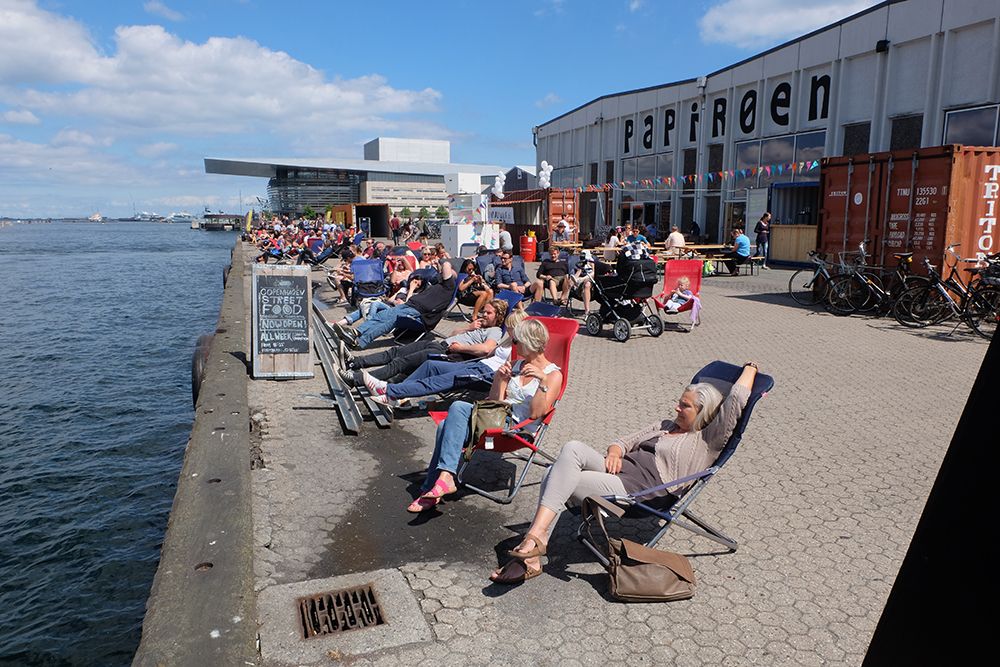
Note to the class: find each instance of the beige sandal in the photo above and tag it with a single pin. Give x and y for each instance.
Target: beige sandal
(539, 550)
(529, 573)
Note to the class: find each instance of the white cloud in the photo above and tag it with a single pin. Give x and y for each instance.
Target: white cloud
(159, 9)
(635, 5)
(156, 80)
(156, 149)
(757, 23)
(550, 99)
(550, 7)
(21, 117)
(71, 137)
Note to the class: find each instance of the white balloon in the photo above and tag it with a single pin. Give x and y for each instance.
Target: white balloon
(545, 164)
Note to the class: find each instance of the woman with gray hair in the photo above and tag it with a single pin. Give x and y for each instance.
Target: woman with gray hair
(663, 451)
(530, 385)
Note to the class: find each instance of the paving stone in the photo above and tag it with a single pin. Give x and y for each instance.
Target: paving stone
(823, 496)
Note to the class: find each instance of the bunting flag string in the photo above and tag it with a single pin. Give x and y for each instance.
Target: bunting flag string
(710, 177)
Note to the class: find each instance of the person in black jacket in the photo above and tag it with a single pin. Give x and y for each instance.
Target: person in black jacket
(552, 273)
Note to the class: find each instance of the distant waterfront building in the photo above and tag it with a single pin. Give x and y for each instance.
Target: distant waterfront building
(398, 172)
(900, 75)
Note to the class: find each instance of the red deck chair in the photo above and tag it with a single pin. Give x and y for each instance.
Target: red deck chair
(672, 271)
(511, 440)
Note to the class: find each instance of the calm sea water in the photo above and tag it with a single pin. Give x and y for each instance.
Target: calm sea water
(97, 328)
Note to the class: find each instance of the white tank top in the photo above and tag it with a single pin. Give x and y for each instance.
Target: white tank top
(519, 396)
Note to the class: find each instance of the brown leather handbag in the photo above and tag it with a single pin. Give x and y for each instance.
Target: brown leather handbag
(637, 573)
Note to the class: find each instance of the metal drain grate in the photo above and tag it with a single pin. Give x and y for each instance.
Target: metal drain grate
(338, 611)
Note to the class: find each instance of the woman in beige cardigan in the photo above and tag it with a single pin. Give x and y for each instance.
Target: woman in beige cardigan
(659, 453)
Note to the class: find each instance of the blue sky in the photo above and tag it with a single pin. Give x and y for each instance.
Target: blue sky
(109, 105)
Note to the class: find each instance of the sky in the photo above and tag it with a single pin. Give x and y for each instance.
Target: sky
(112, 107)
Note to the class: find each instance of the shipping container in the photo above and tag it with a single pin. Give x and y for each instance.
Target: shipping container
(541, 210)
(919, 201)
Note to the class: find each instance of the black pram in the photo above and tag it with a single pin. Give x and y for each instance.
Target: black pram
(622, 297)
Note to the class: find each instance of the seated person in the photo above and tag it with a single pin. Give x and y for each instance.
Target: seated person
(434, 377)
(561, 233)
(473, 291)
(509, 277)
(399, 274)
(429, 301)
(580, 280)
(740, 253)
(429, 258)
(663, 451)
(611, 246)
(636, 236)
(675, 241)
(552, 273)
(530, 385)
(681, 295)
(479, 339)
(273, 247)
(442, 252)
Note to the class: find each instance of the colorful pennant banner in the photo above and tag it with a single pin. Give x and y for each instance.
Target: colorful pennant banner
(710, 177)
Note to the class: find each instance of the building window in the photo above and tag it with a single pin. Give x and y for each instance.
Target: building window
(856, 138)
(972, 127)
(646, 170)
(715, 165)
(593, 174)
(747, 158)
(664, 169)
(905, 132)
(609, 171)
(690, 166)
(777, 151)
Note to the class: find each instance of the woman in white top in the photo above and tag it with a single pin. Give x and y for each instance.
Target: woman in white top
(611, 247)
(530, 386)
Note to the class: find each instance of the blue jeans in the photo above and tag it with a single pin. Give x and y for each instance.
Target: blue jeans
(448, 443)
(383, 322)
(373, 309)
(433, 377)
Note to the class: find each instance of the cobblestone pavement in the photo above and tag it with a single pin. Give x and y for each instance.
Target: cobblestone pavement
(823, 497)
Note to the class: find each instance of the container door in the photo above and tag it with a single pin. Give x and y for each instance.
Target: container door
(916, 207)
(974, 202)
(850, 207)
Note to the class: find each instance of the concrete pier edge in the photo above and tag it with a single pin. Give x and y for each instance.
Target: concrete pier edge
(201, 608)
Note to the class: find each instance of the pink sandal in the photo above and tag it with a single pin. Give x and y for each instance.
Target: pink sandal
(430, 499)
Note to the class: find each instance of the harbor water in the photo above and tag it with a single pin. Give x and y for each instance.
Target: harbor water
(97, 329)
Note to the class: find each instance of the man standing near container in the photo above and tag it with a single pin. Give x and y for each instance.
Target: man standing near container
(394, 228)
(763, 232)
(505, 240)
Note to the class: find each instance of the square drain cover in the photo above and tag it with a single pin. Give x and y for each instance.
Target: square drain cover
(338, 611)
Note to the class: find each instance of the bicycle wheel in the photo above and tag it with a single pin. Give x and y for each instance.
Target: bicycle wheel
(982, 311)
(807, 288)
(921, 306)
(895, 290)
(872, 292)
(845, 293)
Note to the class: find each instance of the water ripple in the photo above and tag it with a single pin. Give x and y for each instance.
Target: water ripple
(95, 412)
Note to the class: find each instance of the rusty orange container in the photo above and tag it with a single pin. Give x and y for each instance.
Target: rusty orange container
(562, 205)
(919, 201)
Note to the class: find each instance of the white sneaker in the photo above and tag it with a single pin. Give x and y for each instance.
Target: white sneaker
(382, 399)
(375, 386)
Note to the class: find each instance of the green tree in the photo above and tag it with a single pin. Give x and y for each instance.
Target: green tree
(309, 213)
(406, 212)
(423, 212)
(441, 212)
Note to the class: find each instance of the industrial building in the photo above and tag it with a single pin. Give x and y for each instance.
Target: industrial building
(720, 149)
(397, 172)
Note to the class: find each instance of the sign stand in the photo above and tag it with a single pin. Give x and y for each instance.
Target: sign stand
(280, 329)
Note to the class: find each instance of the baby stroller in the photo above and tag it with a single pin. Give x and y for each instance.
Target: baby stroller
(623, 299)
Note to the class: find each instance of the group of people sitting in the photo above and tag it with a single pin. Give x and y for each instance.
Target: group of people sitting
(478, 356)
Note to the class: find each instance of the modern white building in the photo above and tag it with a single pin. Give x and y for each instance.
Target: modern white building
(398, 172)
(902, 74)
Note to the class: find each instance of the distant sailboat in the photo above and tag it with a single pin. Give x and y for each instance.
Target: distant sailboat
(97, 217)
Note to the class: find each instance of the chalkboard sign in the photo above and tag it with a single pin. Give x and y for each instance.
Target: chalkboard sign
(281, 333)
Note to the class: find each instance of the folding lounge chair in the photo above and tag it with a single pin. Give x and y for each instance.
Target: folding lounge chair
(673, 270)
(369, 279)
(512, 439)
(511, 297)
(411, 330)
(542, 309)
(672, 509)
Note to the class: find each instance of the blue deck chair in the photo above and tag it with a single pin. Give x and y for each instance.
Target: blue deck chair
(369, 278)
(673, 509)
(484, 262)
(511, 297)
(542, 309)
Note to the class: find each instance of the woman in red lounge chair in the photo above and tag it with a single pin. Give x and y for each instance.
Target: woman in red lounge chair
(531, 385)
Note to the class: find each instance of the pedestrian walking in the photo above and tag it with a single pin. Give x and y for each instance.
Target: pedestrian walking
(763, 232)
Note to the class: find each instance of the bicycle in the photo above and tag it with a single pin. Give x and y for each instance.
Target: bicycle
(978, 302)
(863, 290)
(808, 287)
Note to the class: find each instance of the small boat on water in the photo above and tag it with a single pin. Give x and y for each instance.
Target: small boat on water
(183, 216)
(97, 217)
